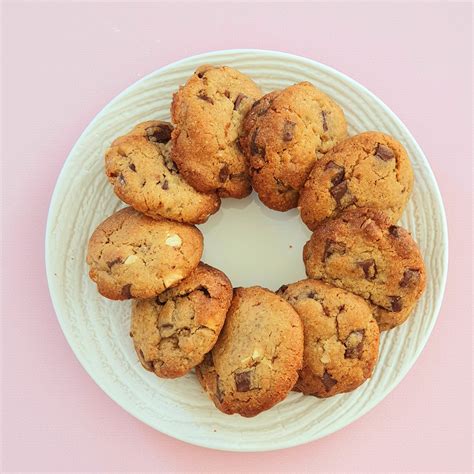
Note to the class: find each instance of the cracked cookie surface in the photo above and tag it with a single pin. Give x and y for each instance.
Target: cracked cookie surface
(283, 135)
(371, 169)
(172, 332)
(208, 112)
(362, 252)
(256, 359)
(139, 167)
(131, 255)
(341, 338)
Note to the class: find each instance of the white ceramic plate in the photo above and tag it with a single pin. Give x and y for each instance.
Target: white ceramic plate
(252, 244)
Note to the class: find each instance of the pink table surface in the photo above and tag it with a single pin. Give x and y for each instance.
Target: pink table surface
(63, 62)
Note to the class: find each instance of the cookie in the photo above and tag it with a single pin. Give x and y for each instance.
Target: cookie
(172, 332)
(283, 135)
(208, 112)
(131, 255)
(256, 359)
(341, 338)
(371, 169)
(143, 175)
(362, 252)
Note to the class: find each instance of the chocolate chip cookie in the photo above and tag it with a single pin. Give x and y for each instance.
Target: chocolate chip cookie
(341, 338)
(143, 175)
(371, 169)
(131, 255)
(284, 134)
(172, 332)
(362, 252)
(208, 112)
(256, 359)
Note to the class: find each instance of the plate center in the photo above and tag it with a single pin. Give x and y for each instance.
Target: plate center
(254, 245)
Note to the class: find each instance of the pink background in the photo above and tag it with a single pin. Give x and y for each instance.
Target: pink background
(63, 63)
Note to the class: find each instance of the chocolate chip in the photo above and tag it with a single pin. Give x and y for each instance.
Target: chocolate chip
(243, 381)
(219, 391)
(254, 148)
(203, 96)
(354, 344)
(342, 195)
(394, 230)
(333, 247)
(261, 106)
(328, 381)
(148, 365)
(288, 130)
(165, 186)
(113, 262)
(325, 124)
(340, 171)
(132, 167)
(224, 173)
(227, 94)
(201, 74)
(311, 294)
(396, 304)
(384, 152)
(369, 267)
(159, 134)
(121, 180)
(282, 289)
(126, 291)
(412, 275)
(238, 100)
(166, 326)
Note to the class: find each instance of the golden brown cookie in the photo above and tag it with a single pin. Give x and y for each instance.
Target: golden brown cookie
(131, 255)
(143, 175)
(341, 338)
(208, 112)
(283, 135)
(172, 332)
(371, 169)
(362, 252)
(256, 359)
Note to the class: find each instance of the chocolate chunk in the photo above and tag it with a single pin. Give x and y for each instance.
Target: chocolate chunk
(203, 96)
(333, 247)
(311, 294)
(410, 276)
(238, 100)
(227, 94)
(394, 230)
(369, 267)
(342, 195)
(282, 289)
(354, 344)
(254, 148)
(243, 381)
(224, 173)
(288, 130)
(165, 186)
(166, 326)
(147, 364)
(132, 167)
(396, 304)
(325, 124)
(328, 381)
(121, 180)
(384, 152)
(261, 106)
(126, 291)
(113, 262)
(201, 74)
(340, 171)
(159, 134)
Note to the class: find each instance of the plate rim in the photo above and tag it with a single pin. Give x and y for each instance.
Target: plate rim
(53, 207)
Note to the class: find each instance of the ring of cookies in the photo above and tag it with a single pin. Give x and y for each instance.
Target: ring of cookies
(251, 346)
